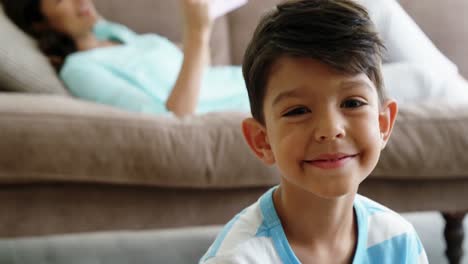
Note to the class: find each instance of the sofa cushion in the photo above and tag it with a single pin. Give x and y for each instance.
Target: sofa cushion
(56, 139)
(428, 141)
(23, 68)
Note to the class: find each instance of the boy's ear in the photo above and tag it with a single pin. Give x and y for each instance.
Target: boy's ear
(387, 117)
(257, 139)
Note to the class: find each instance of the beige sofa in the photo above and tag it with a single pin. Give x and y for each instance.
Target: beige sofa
(71, 166)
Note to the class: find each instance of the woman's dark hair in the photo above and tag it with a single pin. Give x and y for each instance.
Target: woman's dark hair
(26, 14)
(338, 33)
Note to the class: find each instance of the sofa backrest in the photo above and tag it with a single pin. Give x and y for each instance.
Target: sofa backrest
(445, 22)
(163, 17)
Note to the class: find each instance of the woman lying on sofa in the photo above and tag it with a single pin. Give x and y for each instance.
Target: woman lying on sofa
(108, 63)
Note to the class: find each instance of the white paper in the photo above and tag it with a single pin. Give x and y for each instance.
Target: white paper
(221, 7)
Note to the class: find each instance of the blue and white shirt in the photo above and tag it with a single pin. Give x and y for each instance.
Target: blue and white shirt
(256, 236)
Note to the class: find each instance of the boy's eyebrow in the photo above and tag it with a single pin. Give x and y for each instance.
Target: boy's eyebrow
(355, 83)
(282, 95)
(296, 92)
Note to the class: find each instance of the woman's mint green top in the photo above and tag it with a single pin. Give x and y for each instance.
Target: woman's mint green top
(140, 74)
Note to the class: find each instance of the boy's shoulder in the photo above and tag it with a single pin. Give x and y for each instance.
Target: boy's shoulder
(383, 224)
(253, 236)
(254, 250)
(388, 234)
(243, 240)
(381, 217)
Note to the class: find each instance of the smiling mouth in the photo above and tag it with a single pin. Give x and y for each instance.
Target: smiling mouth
(331, 161)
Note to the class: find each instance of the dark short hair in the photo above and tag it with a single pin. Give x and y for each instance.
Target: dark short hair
(338, 33)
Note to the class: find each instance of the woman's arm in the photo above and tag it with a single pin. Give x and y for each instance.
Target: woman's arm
(197, 31)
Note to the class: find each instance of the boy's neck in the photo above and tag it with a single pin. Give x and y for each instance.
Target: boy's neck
(319, 225)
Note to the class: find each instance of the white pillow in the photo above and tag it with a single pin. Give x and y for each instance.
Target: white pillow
(409, 83)
(415, 69)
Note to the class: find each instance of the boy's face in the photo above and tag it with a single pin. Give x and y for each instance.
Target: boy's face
(323, 129)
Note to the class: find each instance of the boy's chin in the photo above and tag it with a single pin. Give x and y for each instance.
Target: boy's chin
(333, 192)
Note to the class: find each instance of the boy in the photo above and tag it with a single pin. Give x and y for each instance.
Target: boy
(313, 74)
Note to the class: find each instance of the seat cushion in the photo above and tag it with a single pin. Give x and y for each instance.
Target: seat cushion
(23, 68)
(53, 138)
(428, 142)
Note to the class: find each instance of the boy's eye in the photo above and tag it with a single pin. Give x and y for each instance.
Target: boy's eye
(297, 111)
(352, 103)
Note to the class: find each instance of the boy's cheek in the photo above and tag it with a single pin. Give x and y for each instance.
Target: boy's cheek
(292, 145)
(365, 133)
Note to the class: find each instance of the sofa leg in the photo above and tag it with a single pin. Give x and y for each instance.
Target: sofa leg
(454, 235)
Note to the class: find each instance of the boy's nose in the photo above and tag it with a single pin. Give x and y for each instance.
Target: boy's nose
(329, 128)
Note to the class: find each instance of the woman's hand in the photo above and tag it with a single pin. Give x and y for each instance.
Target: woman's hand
(197, 19)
